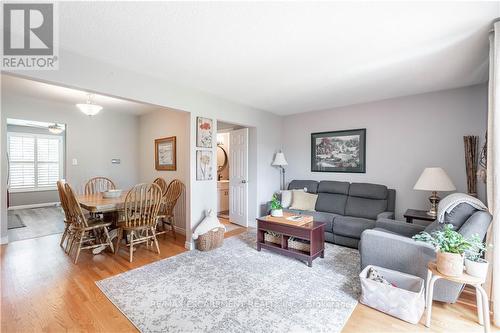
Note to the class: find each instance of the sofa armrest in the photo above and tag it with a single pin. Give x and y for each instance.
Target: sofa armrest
(399, 227)
(395, 252)
(385, 215)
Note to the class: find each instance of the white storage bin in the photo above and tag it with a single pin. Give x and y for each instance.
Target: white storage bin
(406, 301)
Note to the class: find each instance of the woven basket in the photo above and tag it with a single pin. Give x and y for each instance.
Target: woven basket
(210, 240)
(296, 245)
(272, 238)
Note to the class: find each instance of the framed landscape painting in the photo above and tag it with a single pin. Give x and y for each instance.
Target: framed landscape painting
(339, 151)
(204, 131)
(165, 154)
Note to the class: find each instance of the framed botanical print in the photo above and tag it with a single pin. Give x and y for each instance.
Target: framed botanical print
(165, 154)
(204, 132)
(339, 151)
(204, 168)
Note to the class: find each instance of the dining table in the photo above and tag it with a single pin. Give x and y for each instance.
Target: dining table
(97, 204)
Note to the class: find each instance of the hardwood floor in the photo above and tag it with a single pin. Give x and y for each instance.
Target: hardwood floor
(42, 290)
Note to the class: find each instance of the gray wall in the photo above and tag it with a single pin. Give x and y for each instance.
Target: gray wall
(93, 141)
(404, 135)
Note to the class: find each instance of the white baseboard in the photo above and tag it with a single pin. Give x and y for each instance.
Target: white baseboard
(188, 245)
(47, 204)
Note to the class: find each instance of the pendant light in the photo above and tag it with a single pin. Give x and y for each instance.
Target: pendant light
(89, 108)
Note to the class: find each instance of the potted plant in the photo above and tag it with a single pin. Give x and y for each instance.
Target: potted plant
(276, 208)
(450, 246)
(475, 265)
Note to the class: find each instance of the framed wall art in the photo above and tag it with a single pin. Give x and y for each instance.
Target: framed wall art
(204, 132)
(165, 154)
(204, 168)
(339, 151)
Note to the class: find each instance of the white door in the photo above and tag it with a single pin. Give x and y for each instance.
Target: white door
(238, 177)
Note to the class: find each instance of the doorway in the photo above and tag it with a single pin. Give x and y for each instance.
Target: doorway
(232, 175)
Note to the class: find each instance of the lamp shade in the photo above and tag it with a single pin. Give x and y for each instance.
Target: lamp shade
(280, 159)
(434, 179)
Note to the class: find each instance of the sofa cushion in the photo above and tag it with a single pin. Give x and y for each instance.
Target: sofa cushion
(303, 200)
(331, 203)
(459, 215)
(310, 185)
(334, 187)
(351, 226)
(327, 218)
(362, 207)
(369, 191)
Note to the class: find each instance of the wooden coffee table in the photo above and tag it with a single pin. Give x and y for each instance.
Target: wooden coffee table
(314, 232)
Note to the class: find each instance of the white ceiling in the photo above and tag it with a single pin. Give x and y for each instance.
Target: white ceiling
(23, 87)
(289, 57)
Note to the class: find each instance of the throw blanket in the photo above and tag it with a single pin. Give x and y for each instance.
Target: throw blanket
(451, 201)
(210, 222)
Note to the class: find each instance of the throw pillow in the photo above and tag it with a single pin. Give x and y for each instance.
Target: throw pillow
(303, 201)
(286, 198)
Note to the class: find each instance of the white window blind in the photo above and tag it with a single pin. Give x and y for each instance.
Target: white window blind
(35, 160)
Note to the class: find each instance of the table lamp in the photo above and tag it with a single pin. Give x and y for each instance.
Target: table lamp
(434, 179)
(280, 160)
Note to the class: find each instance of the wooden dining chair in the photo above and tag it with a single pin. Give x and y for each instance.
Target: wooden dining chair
(99, 184)
(86, 234)
(64, 204)
(166, 215)
(141, 208)
(162, 184)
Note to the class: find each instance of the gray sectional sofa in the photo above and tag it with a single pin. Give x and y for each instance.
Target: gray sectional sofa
(348, 209)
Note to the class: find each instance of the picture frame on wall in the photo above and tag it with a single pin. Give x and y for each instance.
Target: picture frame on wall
(204, 165)
(166, 154)
(204, 132)
(339, 151)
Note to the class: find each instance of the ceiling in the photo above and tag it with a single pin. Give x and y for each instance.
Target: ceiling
(289, 57)
(23, 87)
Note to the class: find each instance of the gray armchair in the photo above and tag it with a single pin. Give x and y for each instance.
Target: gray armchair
(390, 245)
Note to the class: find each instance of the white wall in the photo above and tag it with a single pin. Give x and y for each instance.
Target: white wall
(404, 135)
(160, 124)
(93, 141)
(265, 133)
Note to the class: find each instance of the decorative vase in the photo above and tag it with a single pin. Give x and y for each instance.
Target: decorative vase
(477, 269)
(277, 212)
(451, 264)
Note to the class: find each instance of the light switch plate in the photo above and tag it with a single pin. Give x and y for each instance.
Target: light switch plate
(74, 161)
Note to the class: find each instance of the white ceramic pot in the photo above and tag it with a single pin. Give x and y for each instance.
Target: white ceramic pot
(451, 264)
(477, 269)
(277, 212)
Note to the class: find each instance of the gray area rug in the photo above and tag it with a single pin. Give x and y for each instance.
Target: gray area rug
(237, 289)
(14, 221)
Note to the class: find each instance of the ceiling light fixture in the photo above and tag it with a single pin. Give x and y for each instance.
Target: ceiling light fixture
(88, 108)
(55, 129)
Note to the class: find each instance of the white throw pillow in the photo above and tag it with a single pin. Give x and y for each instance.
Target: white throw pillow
(304, 201)
(210, 222)
(286, 197)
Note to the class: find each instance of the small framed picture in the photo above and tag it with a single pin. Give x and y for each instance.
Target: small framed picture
(204, 132)
(165, 154)
(339, 151)
(204, 168)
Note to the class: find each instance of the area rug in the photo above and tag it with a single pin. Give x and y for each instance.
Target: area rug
(237, 289)
(14, 221)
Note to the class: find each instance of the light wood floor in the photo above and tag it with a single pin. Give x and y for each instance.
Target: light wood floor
(42, 290)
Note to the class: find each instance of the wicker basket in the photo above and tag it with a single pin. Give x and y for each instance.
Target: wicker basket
(272, 238)
(296, 245)
(210, 240)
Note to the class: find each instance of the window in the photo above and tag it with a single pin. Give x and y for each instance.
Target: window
(35, 161)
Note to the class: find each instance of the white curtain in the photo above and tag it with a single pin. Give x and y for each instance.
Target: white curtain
(493, 166)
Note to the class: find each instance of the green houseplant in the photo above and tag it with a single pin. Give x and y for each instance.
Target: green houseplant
(276, 208)
(450, 246)
(475, 265)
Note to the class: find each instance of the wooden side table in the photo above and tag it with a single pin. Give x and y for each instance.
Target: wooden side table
(483, 310)
(415, 214)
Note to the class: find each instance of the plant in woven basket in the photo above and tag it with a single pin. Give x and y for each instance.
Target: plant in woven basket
(450, 246)
(276, 207)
